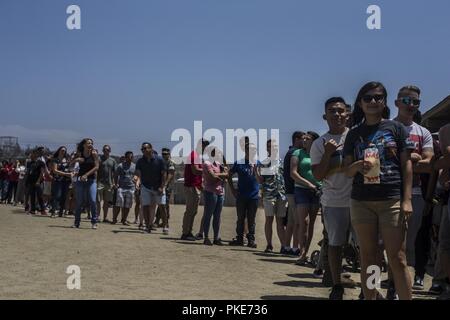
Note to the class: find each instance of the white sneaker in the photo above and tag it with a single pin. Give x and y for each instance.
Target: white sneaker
(94, 226)
(166, 231)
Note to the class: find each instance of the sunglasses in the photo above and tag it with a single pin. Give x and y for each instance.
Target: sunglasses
(410, 101)
(378, 98)
(166, 154)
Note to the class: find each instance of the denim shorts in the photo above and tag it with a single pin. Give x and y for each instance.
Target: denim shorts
(150, 197)
(306, 197)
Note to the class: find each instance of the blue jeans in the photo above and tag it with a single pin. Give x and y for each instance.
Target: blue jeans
(88, 188)
(213, 208)
(3, 189)
(60, 190)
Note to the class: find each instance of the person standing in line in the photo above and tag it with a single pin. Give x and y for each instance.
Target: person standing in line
(327, 166)
(377, 155)
(4, 181)
(125, 186)
(418, 234)
(13, 177)
(61, 181)
(247, 195)
(150, 177)
(20, 194)
(164, 208)
(86, 181)
(292, 223)
(105, 181)
(214, 175)
(270, 176)
(193, 188)
(307, 198)
(37, 171)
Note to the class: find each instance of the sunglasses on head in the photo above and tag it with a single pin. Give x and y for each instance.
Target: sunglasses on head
(410, 101)
(378, 98)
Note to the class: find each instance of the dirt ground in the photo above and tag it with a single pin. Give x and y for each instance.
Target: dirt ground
(119, 262)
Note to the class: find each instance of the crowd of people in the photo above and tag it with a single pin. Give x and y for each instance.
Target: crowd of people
(377, 181)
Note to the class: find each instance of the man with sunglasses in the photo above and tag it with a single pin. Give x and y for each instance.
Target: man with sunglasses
(150, 177)
(418, 234)
(105, 182)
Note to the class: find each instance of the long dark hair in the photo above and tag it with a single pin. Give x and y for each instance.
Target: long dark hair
(56, 154)
(358, 113)
(80, 146)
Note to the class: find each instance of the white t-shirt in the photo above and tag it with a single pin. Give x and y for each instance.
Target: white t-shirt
(422, 140)
(336, 187)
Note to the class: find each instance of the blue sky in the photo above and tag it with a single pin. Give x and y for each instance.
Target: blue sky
(137, 70)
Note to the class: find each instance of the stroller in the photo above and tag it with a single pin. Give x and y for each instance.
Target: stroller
(350, 254)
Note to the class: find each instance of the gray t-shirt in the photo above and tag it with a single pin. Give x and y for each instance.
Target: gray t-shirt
(106, 171)
(336, 187)
(125, 173)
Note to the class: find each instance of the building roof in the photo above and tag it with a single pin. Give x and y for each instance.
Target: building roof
(437, 116)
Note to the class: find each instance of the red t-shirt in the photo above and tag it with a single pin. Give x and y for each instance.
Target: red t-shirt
(13, 175)
(190, 179)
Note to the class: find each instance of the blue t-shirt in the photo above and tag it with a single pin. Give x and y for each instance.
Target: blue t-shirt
(248, 186)
(151, 171)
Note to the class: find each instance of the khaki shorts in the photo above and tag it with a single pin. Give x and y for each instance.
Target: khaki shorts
(382, 213)
(105, 194)
(275, 208)
(292, 217)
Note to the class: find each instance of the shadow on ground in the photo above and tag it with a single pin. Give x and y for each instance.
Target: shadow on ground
(299, 284)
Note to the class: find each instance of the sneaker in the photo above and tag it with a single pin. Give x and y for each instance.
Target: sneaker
(53, 215)
(391, 294)
(302, 261)
(285, 250)
(166, 231)
(269, 249)
(113, 222)
(187, 237)
(147, 230)
(125, 223)
(94, 226)
(337, 292)
(136, 221)
(207, 242)
(252, 244)
(199, 236)
(75, 226)
(44, 213)
(218, 242)
(418, 283)
(236, 242)
(294, 252)
(317, 273)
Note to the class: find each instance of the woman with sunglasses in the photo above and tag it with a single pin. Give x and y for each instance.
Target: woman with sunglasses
(377, 154)
(61, 180)
(86, 183)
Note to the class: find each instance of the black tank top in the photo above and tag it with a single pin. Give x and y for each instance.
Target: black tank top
(87, 165)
